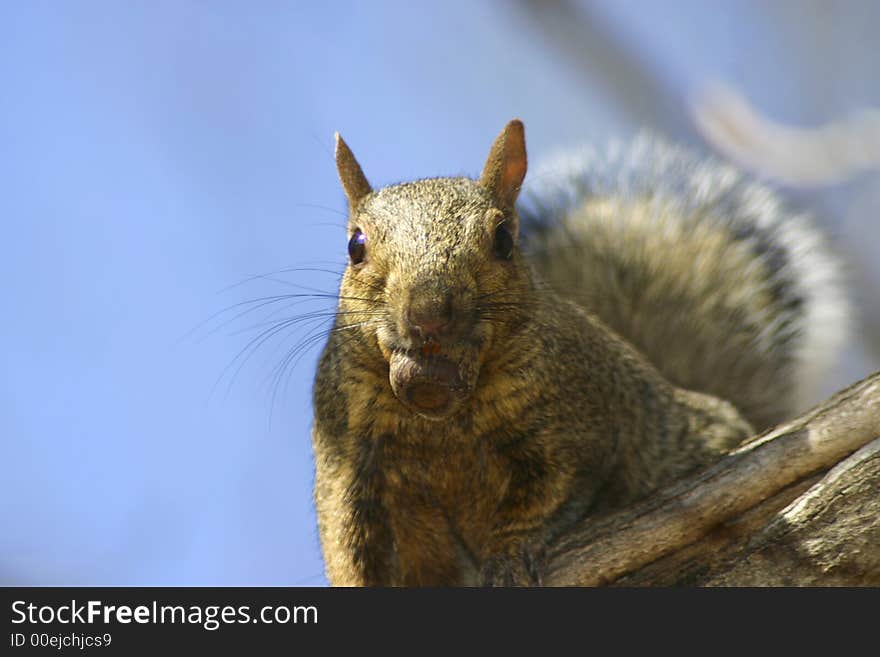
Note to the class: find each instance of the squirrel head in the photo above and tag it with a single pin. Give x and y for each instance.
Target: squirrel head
(435, 279)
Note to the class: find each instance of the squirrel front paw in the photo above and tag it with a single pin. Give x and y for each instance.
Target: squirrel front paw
(515, 567)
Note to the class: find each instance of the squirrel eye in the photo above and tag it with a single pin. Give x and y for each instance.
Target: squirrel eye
(357, 247)
(502, 245)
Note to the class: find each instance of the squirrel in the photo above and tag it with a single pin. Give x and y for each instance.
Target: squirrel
(501, 368)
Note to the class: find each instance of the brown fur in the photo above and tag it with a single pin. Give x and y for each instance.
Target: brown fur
(551, 415)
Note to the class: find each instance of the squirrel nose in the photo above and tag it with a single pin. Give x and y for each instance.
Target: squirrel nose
(430, 317)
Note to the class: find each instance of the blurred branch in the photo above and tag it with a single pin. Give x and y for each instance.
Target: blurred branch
(805, 157)
(632, 83)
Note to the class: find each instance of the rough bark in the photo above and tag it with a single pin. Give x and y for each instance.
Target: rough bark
(798, 505)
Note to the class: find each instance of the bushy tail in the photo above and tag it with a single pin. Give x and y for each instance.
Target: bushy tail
(704, 271)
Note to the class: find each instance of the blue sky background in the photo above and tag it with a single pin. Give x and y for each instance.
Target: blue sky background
(154, 154)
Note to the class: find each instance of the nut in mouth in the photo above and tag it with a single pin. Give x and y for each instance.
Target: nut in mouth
(427, 383)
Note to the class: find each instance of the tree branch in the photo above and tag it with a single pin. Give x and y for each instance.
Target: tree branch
(709, 510)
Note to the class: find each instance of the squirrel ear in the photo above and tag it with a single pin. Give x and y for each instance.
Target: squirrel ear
(506, 165)
(354, 182)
